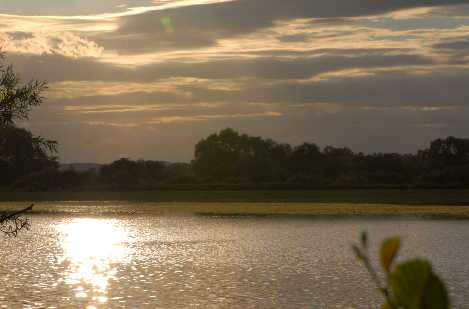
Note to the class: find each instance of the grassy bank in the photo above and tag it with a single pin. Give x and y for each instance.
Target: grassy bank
(244, 208)
(400, 197)
(328, 209)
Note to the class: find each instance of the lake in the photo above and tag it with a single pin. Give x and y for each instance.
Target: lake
(89, 255)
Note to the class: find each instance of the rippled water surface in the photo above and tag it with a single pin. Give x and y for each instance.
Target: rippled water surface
(85, 257)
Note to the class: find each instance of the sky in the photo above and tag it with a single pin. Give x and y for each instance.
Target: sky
(148, 79)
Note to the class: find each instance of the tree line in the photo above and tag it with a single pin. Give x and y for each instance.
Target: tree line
(229, 159)
(239, 158)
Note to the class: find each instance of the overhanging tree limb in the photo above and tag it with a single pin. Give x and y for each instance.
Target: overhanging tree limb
(7, 217)
(11, 224)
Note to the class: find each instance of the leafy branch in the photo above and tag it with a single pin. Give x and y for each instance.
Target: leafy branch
(16, 99)
(411, 284)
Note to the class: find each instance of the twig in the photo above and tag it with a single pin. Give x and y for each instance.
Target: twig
(11, 224)
(5, 218)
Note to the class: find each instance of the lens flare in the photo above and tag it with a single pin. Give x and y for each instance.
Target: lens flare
(167, 24)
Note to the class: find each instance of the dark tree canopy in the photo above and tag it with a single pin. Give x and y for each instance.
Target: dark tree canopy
(16, 99)
(123, 173)
(128, 174)
(450, 151)
(21, 152)
(229, 154)
(228, 159)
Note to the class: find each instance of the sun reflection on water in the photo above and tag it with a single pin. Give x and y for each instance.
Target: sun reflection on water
(93, 248)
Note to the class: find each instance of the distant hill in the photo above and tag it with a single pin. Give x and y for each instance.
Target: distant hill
(80, 167)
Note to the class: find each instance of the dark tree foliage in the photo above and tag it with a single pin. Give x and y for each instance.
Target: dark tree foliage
(233, 159)
(339, 165)
(307, 156)
(446, 161)
(229, 156)
(17, 100)
(49, 178)
(122, 173)
(229, 159)
(447, 152)
(127, 174)
(21, 152)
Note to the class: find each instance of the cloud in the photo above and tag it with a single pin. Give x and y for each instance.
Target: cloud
(118, 108)
(197, 118)
(381, 89)
(357, 73)
(203, 25)
(458, 44)
(65, 44)
(268, 67)
(389, 129)
(61, 8)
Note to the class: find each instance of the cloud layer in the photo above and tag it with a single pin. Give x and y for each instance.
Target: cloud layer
(149, 79)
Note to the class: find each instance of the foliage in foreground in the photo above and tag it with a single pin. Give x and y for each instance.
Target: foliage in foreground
(21, 152)
(410, 284)
(11, 224)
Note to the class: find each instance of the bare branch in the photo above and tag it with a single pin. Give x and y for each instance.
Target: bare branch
(11, 224)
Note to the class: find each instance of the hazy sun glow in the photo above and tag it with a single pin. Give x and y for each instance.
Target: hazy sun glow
(93, 248)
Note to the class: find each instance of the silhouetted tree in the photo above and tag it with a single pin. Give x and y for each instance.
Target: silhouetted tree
(17, 100)
(178, 173)
(218, 155)
(154, 171)
(445, 162)
(339, 163)
(384, 168)
(123, 173)
(228, 156)
(307, 164)
(21, 152)
(451, 151)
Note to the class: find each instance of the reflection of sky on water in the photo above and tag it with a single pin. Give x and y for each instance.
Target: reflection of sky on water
(92, 249)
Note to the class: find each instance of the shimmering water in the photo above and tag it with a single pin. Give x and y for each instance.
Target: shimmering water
(128, 259)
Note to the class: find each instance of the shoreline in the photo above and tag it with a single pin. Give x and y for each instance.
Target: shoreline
(245, 209)
(456, 197)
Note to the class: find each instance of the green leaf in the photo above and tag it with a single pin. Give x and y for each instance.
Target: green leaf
(435, 295)
(415, 286)
(388, 252)
(408, 282)
(385, 306)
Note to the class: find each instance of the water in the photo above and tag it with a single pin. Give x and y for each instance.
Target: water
(114, 257)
